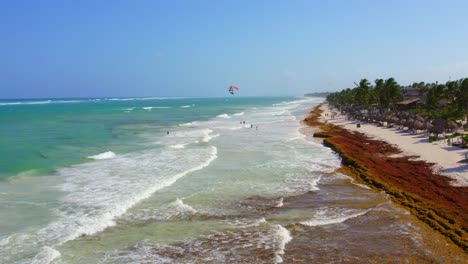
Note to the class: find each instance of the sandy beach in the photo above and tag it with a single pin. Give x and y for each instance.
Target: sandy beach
(426, 179)
(445, 157)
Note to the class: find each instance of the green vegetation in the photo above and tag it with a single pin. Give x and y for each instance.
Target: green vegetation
(434, 100)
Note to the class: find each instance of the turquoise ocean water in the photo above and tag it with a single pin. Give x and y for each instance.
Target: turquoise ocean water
(185, 180)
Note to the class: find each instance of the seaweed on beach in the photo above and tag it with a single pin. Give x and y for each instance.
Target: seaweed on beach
(412, 184)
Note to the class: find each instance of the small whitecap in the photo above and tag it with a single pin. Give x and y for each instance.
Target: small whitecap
(178, 146)
(223, 116)
(104, 155)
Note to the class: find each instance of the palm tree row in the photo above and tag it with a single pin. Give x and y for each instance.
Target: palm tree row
(449, 100)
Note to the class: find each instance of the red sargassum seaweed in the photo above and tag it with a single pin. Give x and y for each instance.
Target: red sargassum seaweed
(410, 183)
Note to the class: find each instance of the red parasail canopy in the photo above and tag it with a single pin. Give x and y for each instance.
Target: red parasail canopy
(232, 87)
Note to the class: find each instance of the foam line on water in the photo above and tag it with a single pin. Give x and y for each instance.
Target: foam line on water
(178, 146)
(189, 124)
(283, 237)
(184, 207)
(246, 222)
(280, 203)
(140, 98)
(27, 103)
(104, 155)
(324, 217)
(149, 108)
(105, 219)
(101, 191)
(46, 255)
(163, 212)
(208, 136)
(223, 116)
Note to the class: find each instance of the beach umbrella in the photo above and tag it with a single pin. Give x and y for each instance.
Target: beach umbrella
(388, 118)
(409, 123)
(440, 122)
(436, 129)
(393, 119)
(381, 117)
(418, 125)
(420, 118)
(452, 125)
(428, 125)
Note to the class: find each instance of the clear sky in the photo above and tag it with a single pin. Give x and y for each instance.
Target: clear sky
(69, 48)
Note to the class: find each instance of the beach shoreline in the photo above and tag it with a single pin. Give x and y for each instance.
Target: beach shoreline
(432, 187)
(447, 159)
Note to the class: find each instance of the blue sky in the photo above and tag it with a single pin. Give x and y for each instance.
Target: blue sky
(117, 48)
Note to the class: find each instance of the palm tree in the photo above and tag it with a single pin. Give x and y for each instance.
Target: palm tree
(434, 95)
(388, 93)
(462, 97)
(392, 91)
(363, 93)
(379, 92)
(452, 88)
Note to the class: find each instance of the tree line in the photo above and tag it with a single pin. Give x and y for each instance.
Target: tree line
(449, 100)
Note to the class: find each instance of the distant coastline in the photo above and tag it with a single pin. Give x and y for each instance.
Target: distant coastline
(319, 94)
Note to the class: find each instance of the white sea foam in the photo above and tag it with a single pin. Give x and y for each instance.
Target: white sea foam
(102, 219)
(223, 116)
(176, 208)
(280, 203)
(184, 207)
(358, 184)
(234, 128)
(314, 184)
(96, 193)
(104, 155)
(294, 138)
(46, 255)
(283, 236)
(239, 114)
(178, 146)
(282, 113)
(149, 108)
(257, 222)
(329, 216)
(26, 102)
(187, 124)
(41, 102)
(142, 98)
(67, 101)
(244, 223)
(208, 136)
(187, 106)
